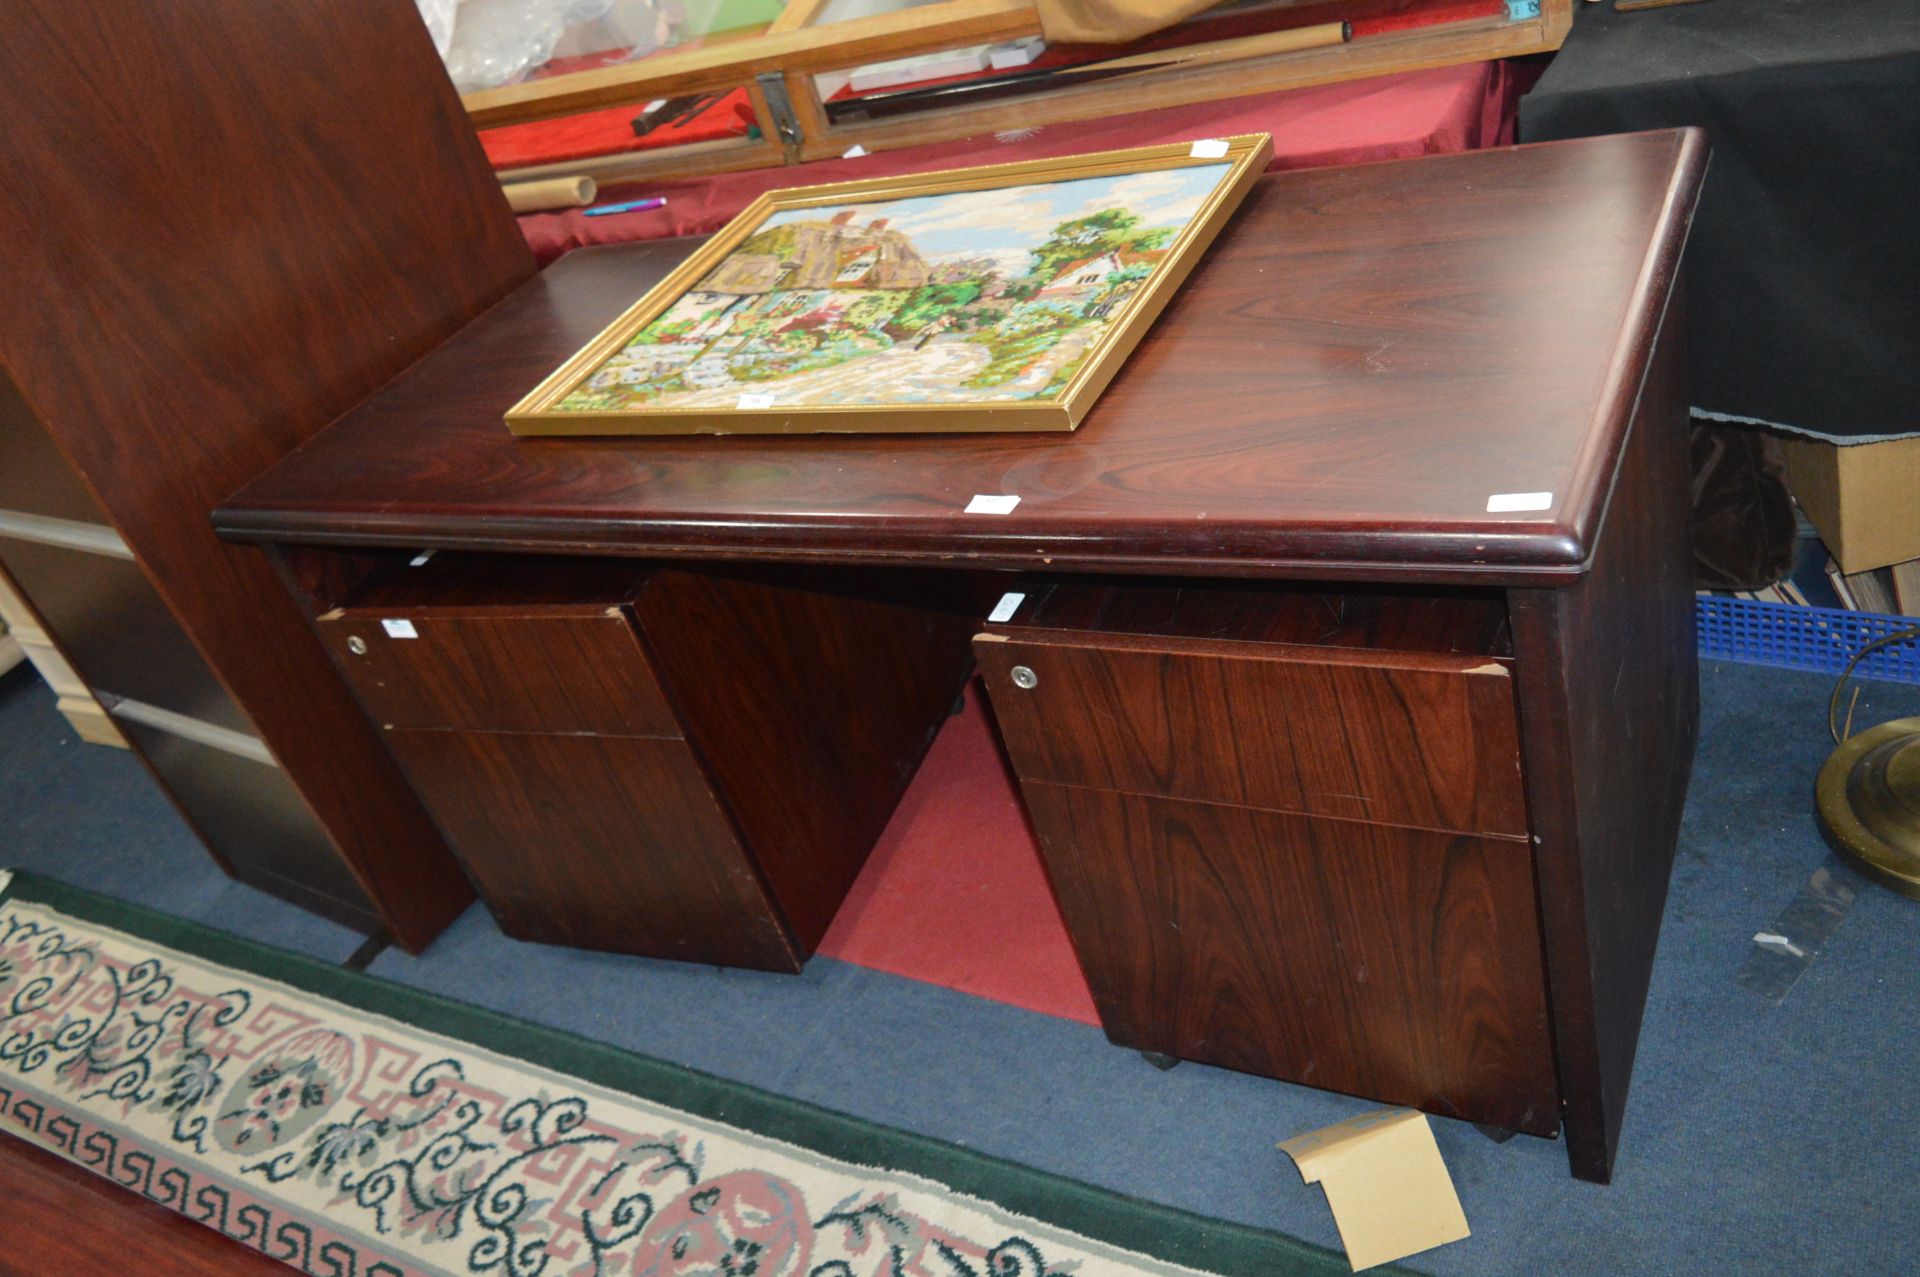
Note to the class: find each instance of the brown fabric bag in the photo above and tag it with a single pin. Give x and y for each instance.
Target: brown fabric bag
(1742, 517)
(1111, 21)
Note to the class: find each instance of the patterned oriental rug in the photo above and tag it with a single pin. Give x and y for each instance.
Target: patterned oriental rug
(349, 1126)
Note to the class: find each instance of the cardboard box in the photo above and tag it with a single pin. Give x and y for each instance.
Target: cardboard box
(1864, 497)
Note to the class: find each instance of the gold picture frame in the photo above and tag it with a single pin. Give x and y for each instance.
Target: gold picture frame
(570, 401)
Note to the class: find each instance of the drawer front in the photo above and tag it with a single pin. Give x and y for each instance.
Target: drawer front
(1402, 965)
(597, 842)
(1426, 741)
(512, 673)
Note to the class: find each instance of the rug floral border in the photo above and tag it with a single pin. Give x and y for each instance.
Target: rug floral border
(1161, 1232)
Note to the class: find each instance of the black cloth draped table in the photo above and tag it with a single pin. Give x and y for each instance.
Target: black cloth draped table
(1805, 263)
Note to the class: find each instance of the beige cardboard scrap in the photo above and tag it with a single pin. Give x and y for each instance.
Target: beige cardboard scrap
(1389, 1192)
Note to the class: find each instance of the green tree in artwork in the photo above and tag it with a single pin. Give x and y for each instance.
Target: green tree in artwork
(1111, 230)
(973, 318)
(872, 311)
(930, 301)
(658, 333)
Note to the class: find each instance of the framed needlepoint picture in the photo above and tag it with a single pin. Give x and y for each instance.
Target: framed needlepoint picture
(997, 298)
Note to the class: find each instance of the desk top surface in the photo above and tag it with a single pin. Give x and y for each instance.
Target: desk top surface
(1362, 360)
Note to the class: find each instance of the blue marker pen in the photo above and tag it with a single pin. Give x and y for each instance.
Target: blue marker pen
(631, 206)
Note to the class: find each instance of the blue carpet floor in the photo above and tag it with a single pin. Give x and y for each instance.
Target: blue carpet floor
(1759, 1137)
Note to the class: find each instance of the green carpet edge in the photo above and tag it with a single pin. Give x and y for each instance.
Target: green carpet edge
(1167, 1233)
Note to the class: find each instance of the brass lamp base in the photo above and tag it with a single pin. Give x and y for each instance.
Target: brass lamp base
(1868, 799)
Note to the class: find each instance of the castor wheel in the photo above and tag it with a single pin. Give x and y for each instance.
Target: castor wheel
(1159, 1061)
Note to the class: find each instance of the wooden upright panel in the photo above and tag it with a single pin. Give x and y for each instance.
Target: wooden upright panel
(1609, 711)
(229, 222)
(812, 701)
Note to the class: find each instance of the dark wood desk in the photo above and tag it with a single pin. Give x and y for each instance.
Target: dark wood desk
(1367, 359)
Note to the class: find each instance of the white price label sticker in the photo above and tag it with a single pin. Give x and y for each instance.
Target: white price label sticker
(1212, 148)
(1006, 607)
(983, 503)
(755, 401)
(1512, 502)
(399, 629)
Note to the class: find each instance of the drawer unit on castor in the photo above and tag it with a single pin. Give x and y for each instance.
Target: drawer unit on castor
(646, 760)
(1287, 832)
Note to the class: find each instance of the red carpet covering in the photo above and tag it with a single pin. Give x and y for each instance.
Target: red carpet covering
(1446, 109)
(955, 894)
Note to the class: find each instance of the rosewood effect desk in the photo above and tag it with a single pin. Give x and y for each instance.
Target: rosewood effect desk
(1355, 692)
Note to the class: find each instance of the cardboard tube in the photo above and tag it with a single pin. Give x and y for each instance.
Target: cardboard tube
(549, 194)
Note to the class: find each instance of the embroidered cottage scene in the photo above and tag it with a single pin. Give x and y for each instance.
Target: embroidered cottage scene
(970, 297)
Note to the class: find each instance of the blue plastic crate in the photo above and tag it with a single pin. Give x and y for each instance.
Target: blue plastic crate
(1823, 639)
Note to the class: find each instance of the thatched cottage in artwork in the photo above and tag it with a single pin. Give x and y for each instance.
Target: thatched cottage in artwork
(832, 259)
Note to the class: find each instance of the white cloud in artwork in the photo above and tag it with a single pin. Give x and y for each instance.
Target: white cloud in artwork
(1160, 199)
(1011, 262)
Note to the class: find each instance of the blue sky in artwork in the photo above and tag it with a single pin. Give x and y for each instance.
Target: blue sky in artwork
(1006, 222)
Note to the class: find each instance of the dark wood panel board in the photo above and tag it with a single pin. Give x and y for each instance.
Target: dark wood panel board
(1363, 358)
(36, 478)
(298, 210)
(1609, 707)
(811, 697)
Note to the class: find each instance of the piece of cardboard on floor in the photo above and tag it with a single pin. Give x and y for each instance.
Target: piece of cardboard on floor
(1388, 1189)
